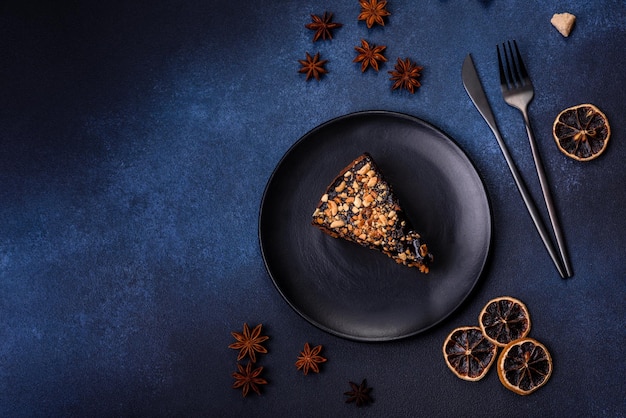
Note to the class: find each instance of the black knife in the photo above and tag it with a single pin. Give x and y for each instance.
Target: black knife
(475, 91)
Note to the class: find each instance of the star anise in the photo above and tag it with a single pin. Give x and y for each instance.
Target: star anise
(405, 75)
(247, 378)
(369, 55)
(373, 11)
(360, 394)
(310, 358)
(322, 26)
(249, 343)
(313, 66)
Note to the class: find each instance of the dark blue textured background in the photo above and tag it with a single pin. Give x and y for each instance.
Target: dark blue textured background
(136, 139)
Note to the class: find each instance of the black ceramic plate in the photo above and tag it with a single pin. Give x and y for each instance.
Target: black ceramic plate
(355, 292)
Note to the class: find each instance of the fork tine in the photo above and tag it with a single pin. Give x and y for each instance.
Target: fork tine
(522, 68)
(511, 68)
(513, 72)
(503, 81)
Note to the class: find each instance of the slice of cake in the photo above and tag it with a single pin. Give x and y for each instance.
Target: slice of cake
(359, 206)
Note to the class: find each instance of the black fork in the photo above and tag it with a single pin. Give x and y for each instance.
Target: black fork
(518, 91)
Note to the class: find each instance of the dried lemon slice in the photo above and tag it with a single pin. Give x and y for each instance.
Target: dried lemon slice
(524, 366)
(468, 353)
(504, 319)
(581, 132)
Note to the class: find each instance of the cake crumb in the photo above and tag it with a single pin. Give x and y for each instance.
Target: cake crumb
(563, 22)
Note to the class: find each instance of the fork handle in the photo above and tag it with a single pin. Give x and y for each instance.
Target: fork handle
(545, 189)
(530, 206)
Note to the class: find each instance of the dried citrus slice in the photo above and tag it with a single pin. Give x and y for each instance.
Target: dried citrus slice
(581, 132)
(504, 319)
(468, 353)
(524, 366)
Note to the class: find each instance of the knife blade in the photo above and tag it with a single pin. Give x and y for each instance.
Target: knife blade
(475, 90)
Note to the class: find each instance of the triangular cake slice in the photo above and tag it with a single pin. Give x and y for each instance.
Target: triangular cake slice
(360, 206)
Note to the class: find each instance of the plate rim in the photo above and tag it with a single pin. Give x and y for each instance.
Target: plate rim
(393, 114)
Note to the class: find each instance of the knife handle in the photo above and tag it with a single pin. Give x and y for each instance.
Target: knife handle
(530, 205)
